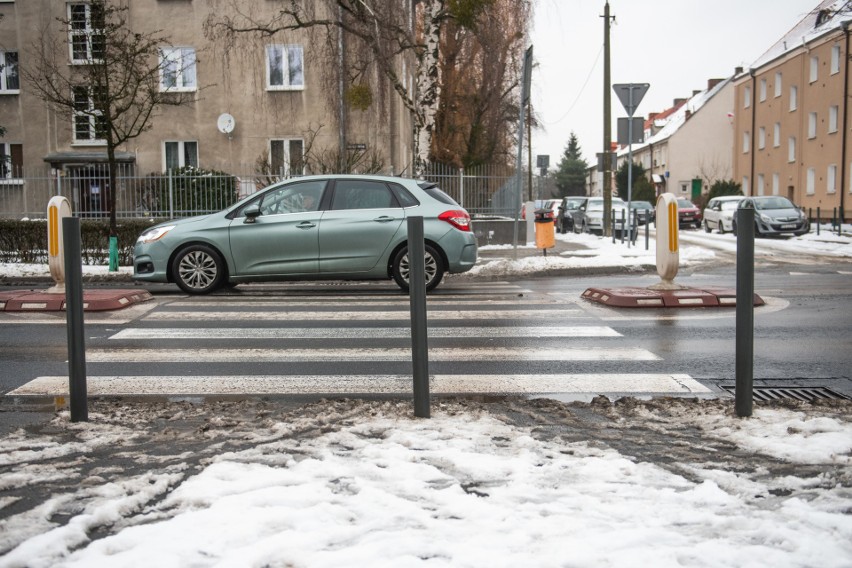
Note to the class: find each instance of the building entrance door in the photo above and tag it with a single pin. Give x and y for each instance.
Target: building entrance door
(91, 189)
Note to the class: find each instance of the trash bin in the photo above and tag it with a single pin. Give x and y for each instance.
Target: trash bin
(544, 230)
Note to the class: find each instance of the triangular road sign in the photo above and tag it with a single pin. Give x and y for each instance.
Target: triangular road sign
(630, 95)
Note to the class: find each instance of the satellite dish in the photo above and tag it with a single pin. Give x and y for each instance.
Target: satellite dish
(225, 123)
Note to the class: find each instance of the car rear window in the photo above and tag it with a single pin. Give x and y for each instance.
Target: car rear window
(435, 192)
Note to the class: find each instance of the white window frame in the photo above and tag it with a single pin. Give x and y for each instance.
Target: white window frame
(814, 69)
(761, 138)
(181, 153)
(762, 90)
(810, 187)
(287, 83)
(778, 84)
(831, 179)
(4, 74)
(746, 96)
(812, 125)
(88, 32)
(185, 70)
(286, 157)
(776, 135)
(90, 115)
(833, 114)
(835, 59)
(794, 97)
(6, 150)
(746, 142)
(745, 186)
(791, 149)
(761, 184)
(775, 183)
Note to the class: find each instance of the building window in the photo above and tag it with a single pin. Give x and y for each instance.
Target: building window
(760, 184)
(811, 183)
(285, 67)
(761, 138)
(831, 179)
(762, 90)
(684, 186)
(287, 157)
(794, 97)
(86, 36)
(745, 186)
(776, 135)
(835, 59)
(791, 149)
(89, 125)
(11, 160)
(812, 124)
(177, 69)
(746, 97)
(10, 83)
(814, 68)
(775, 184)
(746, 141)
(832, 118)
(181, 155)
(778, 83)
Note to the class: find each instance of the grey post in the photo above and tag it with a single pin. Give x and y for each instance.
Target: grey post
(745, 312)
(417, 297)
(74, 314)
(647, 231)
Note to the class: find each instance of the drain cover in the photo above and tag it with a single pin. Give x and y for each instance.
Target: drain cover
(806, 394)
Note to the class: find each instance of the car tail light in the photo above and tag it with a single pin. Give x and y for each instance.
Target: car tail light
(457, 218)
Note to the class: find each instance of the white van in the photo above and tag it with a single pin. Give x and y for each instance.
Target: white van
(719, 213)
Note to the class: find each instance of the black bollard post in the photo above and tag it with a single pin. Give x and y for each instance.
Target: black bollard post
(612, 217)
(417, 297)
(74, 316)
(647, 232)
(745, 313)
(623, 226)
(819, 220)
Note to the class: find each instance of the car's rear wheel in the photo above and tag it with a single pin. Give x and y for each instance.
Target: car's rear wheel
(401, 268)
(198, 269)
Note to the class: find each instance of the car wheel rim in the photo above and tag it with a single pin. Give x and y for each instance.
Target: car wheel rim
(197, 270)
(431, 267)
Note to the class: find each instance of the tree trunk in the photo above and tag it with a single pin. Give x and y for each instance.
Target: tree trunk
(428, 85)
(113, 225)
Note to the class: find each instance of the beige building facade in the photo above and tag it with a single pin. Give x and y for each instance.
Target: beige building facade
(791, 117)
(279, 100)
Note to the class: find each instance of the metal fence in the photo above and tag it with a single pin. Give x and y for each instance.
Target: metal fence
(483, 191)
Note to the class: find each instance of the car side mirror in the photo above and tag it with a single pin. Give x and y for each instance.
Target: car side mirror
(251, 212)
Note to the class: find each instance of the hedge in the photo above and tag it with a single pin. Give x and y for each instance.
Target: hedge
(26, 241)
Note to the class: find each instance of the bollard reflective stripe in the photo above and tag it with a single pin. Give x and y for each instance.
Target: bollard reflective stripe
(673, 226)
(668, 258)
(57, 209)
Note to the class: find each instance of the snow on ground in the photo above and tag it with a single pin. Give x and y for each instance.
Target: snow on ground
(355, 483)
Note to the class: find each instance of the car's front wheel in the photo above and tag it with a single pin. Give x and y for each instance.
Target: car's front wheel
(401, 268)
(707, 228)
(198, 269)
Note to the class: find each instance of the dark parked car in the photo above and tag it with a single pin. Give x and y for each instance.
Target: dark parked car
(775, 215)
(565, 219)
(316, 227)
(688, 215)
(644, 211)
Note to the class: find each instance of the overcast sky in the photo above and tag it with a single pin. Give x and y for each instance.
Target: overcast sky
(674, 45)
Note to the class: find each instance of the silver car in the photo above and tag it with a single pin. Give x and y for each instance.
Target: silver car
(342, 227)
(589, 217)
(719, 213)
(774, 215)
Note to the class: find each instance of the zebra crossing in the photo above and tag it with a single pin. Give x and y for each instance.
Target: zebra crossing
(487, 338)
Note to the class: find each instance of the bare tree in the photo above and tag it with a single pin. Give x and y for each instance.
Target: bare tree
(114, 94)
(384, 30)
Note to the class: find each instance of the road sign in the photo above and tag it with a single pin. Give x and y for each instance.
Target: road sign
(630, 95)
(624, 131)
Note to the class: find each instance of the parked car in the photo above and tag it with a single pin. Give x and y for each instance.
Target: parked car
(644, 211)
(688, 215)
(774, 215)
(549, 204)
(589, 217)
(719, 213)
(564, 218)
(311, 228)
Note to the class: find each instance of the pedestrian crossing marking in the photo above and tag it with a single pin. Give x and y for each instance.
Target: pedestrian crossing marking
(364, 315)
(257, 385)
(361, 332)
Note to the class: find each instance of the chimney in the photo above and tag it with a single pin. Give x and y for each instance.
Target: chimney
(712, 83)
(688, 114)
(738, 70)
(652, 116)
(694, 92)
(679, 102)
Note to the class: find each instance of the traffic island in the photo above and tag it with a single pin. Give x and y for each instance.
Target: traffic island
(93, 300)
(629, 297)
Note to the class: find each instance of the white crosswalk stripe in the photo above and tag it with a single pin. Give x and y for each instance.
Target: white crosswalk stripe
(339, 329)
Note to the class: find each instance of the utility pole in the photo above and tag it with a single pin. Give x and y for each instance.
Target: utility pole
(607, 149)
(529, 146)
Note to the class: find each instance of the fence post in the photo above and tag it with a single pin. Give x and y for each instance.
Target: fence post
(461, 187)
(171, 196)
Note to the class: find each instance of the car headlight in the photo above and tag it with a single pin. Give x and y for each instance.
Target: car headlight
(154, 234)
(765, 218)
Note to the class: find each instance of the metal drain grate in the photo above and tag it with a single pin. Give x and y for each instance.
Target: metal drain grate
(806, 394)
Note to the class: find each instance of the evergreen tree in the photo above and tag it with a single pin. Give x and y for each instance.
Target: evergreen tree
(724, 187)
(571, 170)
(643, 190)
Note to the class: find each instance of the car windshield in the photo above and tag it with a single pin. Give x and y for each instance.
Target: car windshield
(773, 203)
(641, 205)
(685, 204)
(597, 205)
(573, 203)
(730, 205)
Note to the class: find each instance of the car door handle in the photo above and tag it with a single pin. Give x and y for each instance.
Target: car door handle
(384, 219)
(306, 225)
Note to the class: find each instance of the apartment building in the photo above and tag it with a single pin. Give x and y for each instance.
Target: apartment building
(264, 99)
(791, 118)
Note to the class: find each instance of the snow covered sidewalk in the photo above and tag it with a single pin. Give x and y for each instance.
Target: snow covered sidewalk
(357, 483)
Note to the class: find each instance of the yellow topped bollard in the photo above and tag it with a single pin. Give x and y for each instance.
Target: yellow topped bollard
(57, 208)
(544, 230)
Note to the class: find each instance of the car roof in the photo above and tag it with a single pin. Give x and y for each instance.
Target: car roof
(728, 198)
